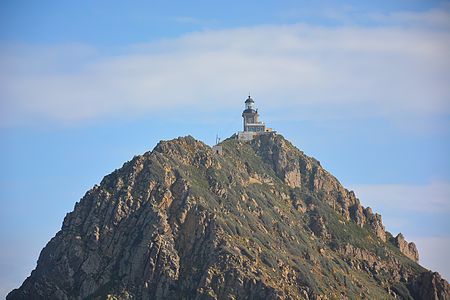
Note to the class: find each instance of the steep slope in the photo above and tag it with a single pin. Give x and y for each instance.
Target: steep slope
(262, 220)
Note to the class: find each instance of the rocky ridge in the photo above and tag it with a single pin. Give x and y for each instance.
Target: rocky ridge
(263, 220)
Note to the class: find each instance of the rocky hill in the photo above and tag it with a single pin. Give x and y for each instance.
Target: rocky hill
(260, 221)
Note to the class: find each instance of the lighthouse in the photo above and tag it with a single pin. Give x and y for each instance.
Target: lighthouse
(252, 125)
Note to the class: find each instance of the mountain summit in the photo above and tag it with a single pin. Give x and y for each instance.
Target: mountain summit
(259, 220)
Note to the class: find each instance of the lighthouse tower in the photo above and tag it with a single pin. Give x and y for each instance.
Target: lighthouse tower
(252, 125)
(251, 117)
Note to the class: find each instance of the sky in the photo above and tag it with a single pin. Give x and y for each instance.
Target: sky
(363, 86)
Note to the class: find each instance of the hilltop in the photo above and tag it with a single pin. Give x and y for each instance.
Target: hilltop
(260, 220)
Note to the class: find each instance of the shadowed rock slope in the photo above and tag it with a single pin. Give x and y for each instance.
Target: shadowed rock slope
(260, 221)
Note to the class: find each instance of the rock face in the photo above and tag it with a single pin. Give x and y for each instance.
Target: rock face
(409, 249)
(262, 220)
(430, 285)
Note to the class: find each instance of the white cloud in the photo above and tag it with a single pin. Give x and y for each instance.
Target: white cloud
(430, 198)
(383, 71)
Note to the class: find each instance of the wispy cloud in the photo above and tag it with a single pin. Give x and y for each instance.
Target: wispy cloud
(385, 71)
(184, 19)
(432, 19)
(432, 198)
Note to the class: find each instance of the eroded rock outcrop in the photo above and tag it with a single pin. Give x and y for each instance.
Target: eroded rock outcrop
(409, 249)
(430, 285)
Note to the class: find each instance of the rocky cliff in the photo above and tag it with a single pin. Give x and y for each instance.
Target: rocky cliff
(260, 221)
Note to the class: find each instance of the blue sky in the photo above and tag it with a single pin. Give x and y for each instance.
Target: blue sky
(360, 85)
